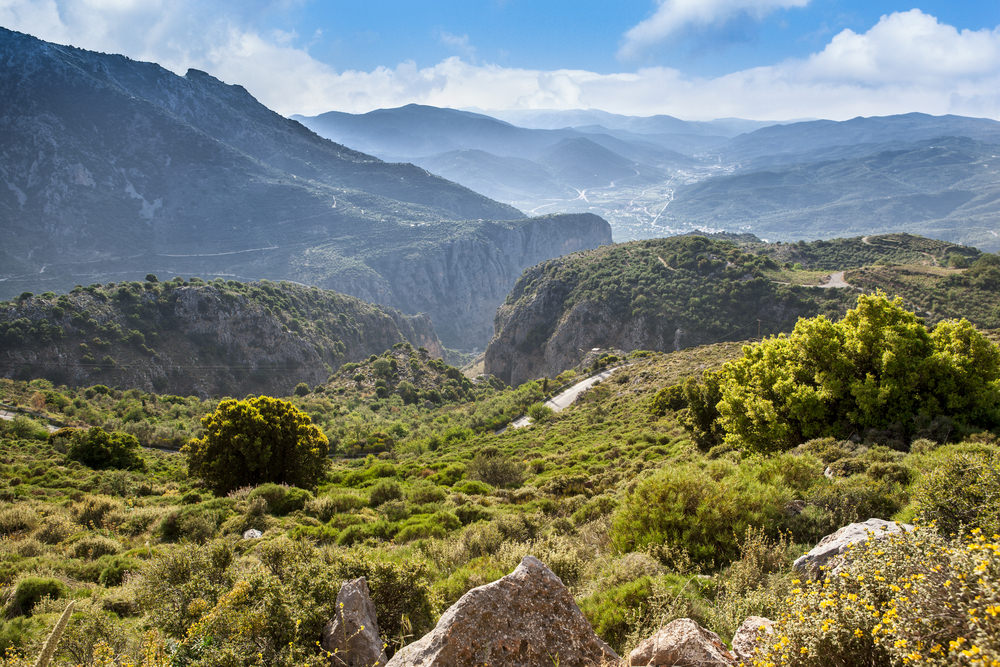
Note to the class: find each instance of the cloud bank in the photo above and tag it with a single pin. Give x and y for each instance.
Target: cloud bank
(908, 61)
(672, 16)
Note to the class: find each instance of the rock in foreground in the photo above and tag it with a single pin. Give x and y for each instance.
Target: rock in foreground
(683, 643)
(526, 618)
(837, 543)
(751, 634)
(352, 636)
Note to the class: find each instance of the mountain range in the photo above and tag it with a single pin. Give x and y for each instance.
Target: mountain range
(112, 169)
(660, 175)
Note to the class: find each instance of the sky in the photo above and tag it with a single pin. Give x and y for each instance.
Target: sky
(694, 59)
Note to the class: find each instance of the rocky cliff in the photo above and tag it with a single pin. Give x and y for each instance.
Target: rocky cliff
(664, 294)
(196, 338)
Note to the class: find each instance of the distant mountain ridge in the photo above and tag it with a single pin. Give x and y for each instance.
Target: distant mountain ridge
(111, 169)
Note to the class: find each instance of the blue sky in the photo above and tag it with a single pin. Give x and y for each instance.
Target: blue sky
(769, 59)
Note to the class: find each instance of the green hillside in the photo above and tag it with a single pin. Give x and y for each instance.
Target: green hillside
(424, 498)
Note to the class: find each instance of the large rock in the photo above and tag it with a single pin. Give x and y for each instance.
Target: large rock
(352, 636)
(683, 643)
(751, 634)
(526, 618)
(836, 544)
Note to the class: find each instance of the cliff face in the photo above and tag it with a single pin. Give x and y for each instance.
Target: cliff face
(205, 339)
(461, 282)
(665, 294)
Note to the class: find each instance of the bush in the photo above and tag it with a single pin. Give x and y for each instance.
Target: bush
(489, 465)
(29, 591)
(258, 440)
(281, 498)
(97, 448)
(93, 547)
(961, 490)
(17, 518)
(54, 529)
(910, 598)
(25, 428)
(383, 491)
(93, 510)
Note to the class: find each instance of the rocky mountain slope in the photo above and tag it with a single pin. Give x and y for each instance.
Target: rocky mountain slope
(668, 294)
(112, 169)
(218, 338)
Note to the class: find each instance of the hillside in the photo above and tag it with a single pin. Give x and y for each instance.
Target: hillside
(209, 339)
(426, 501)
(113, 169)
(668, 294)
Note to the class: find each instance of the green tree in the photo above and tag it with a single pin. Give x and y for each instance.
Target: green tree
(878, 369)
(260, 439)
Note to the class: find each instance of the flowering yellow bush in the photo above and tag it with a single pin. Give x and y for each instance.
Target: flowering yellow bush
(912, 599)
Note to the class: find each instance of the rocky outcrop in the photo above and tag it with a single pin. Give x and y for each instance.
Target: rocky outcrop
(352, 637)
(196, 338)
(752, 633)
(662, 294)
(682, 643)
(837, 543)
(525, 618)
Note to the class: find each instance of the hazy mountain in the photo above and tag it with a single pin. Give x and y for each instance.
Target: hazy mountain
(947, 188)
(112, 169)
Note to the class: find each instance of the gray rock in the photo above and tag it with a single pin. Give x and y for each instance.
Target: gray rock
(352, 636)
(837, 543)
(525, 618)
(683, 643)
(252, 534)
(751, 634)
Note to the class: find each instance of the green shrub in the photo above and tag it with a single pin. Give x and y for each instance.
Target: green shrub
(261, 439)
(281, 498)
(94, 510)
(491, 466)
(425, 492)
(28, 591)
(116, 568)
(961, 489)
(383, 491)
(92, 547)
(17, 518)
(473, 487)
(97, 448)
(24, 428)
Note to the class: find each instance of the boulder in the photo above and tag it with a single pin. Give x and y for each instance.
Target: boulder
(837, 543)
(352, 636)
(526, 618)
(750, 635)
(252, 534)
(682, 643)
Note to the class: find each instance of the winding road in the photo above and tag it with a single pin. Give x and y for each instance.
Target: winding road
(565, 398)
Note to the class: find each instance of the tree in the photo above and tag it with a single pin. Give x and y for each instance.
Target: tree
(260, 439)
(877, 370)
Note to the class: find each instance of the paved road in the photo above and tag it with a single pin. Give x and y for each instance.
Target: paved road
(9, 416)
(565, 398)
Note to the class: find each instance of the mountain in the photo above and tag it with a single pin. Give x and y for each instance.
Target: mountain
(178, 337)
(946, 188)
(113, 169)
(673, 293)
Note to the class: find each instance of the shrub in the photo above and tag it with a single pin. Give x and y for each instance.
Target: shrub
(281, 498)
(93, 510)
(961, 489)
(28, 591)
(910, 598)
(17, 518)
(25, 428)
(473, 487)
(491, 466)
(97, 448)
(425, 492)
(93, 547)
(383, 491)
(258, 440)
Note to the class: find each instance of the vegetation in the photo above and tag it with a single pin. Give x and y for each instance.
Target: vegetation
(644, 519)
(258, 440)
(877, 373)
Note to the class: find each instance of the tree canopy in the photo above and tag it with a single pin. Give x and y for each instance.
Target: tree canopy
(879, 370)
(260, 439)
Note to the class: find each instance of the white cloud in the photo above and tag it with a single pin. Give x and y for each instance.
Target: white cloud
(671, 16)
(459, 43)
(908, 61)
